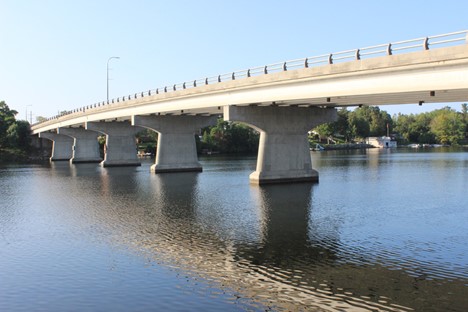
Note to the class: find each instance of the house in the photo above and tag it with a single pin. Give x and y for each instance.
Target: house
(382, 142)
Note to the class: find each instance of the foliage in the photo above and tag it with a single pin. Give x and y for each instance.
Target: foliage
(465, 116)
(229, 137)
(147, 136)
(41, 119)
(18, 135)
(445, 126)
(358, 124)
(414, 128)
(325, 130)
(14, 136)
(7, 118)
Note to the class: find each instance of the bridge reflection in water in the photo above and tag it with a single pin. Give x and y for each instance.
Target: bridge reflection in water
(269, 247)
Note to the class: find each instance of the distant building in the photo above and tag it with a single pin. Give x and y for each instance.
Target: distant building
(382, 142)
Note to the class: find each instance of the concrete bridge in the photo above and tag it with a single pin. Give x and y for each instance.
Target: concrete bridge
(282, 101)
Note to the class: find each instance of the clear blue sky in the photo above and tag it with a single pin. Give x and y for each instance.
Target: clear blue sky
(53, 53)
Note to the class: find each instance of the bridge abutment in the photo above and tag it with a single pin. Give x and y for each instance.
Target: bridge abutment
(176, 150)
(62, 146)
(85, 145)
(120, 148)
(283, 153)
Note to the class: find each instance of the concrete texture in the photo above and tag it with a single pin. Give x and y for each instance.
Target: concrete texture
(396, 79)
(430, 76)
(85, 145)
(176, 150)
(120, 148)
(62, 147)
(284, 153)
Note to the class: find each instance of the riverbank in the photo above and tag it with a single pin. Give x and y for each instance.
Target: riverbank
(344, 146)
(18, 156)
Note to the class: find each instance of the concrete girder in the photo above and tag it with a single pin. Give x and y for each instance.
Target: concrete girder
(283, 153)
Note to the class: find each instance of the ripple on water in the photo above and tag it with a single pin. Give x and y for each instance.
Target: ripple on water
(232, 245)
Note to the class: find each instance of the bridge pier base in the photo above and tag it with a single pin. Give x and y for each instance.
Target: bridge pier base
(176, 150)
(120, 148)
(283, 153)
(85, 145)
(62, 146)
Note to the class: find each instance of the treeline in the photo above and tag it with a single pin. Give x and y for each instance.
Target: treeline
(225, 138)
(228, 137)
(444, 126)
(14, 135)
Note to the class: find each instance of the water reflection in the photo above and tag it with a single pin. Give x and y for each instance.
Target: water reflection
(332, 246)
(177, 195)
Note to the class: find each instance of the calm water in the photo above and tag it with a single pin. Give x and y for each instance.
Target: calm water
(383, 230)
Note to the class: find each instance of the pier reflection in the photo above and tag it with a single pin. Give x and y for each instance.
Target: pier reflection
(292, 259)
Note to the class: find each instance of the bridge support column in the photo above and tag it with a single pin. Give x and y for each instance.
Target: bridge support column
(176, 150)
(62, 146)
(283, 153)
(120, 148)
(85, 145)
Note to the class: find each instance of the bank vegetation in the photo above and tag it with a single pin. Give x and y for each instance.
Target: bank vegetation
(442, 126)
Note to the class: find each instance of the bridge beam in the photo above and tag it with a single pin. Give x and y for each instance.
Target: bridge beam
(283, 153)
(176, 150)
(62, 146)
(85, 145)
(120, 148)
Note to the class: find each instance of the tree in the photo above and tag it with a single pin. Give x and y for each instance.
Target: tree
(7, 118)
(230, 137)
(358, 125)
(465, 117)
(41, 119)
(403, 126)
(341, 125)
(325, 130)
(448, 127)
(18, 135)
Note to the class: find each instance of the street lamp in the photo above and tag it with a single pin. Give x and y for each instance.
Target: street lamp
(27, 111)
(110, 58)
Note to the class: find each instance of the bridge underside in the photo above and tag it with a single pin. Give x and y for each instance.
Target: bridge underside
(274, 104)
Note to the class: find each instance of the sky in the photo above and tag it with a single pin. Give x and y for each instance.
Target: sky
(54, 53)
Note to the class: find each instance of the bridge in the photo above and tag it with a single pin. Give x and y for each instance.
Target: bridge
(282, 101)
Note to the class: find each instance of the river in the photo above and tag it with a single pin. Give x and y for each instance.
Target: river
(383, 230)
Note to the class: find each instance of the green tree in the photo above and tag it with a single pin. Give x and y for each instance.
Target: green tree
(40, 119)
(422, 130)
(230, 137)
(325, 130)
(448, 127)
(377, 120)
(18, 135)
(404, 127)
(341, 125)
(465, 117)
(358, 125)
(7, 118)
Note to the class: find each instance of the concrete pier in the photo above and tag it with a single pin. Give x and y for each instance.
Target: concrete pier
(284, 153)
(176, 150)
(62, 146)
(85, 145)
(120, 148)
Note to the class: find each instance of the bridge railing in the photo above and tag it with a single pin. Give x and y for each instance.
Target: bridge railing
(400, 47)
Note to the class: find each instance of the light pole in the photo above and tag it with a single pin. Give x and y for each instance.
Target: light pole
(27, 111)
(110, 58)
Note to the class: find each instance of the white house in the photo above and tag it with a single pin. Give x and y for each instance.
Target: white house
(382, 142)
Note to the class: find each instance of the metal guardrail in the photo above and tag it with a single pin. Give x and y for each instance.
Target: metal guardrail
(400, 47)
